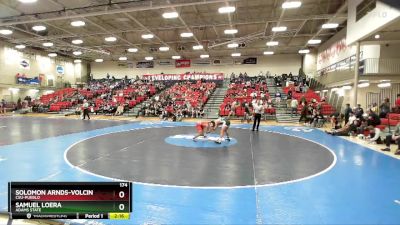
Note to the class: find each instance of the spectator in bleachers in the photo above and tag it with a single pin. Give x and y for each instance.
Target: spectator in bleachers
(277, 97)
(373, 119)
(374, 135)
(384, 108)
(395, 137)
(3, 106)
(347, 130)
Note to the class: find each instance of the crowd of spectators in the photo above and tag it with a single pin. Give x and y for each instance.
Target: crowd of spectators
(182, 100)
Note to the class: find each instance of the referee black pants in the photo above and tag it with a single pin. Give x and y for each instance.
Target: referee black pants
(257, 120)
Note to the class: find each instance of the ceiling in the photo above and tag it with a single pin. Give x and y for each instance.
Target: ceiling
(128, 20)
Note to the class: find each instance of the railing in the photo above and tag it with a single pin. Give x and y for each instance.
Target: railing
(367, 66)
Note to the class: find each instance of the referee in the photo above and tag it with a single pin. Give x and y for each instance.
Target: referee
(258, 110)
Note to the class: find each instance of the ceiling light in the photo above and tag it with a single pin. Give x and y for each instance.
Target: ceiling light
(27, 1)
(363, 85)
(314, 41)
(236, 54)
(198, 47)
(6, 32)
(77, 41)
(163, 49)
(78, 23)
(77, 53)
(230, 31)
(384, 81)
(48, 44)
(227, 9)
(132, 50)
(384, 85)
(187, 34)
(147, 36)
(170, 15)
(272, 43)
(377, 36)
(279, 29)
(123, 58)
(176, 57)
(347, 87)
(268, 53)
(204, 56)
(233, 45)
(20, 46)
(110, 39)
(330, 25)
(99, 60)
(77, 61)
(325, 90)
(39, 28)
(304, 51)
(291, 4)
(52, 54)
(148, 58)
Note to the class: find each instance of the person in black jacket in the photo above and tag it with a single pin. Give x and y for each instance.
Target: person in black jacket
(373, 119)
(359, 112)
(347, 112)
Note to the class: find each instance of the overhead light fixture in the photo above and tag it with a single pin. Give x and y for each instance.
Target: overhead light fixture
(164, 49)
(77, 41)
(149, 58)
(39, 28)
(170, 15)
(204, 56)
(99, 60)
(347, 87)
(304, 51)
(6, 32)
(363, 85)
(77, 53)
(318, 92)
(272, 43)
(187, 34)
(20, 46)
(384, 81)
(233, 45)
(27, 1)
(48, 44)
(198, 47)
(237, 54)
(314, 41)
(52, 54)
(279, 29)
(147, 36)
(377, 36)
(268, 53)
(132, 50)
(231, 31)
(123, 58)
(330, 25)
(227, 9)
(291, 4)
(176, 57)
(384, 85)
(325, 90)
(77, 61)
(78, 23)
(110, 39)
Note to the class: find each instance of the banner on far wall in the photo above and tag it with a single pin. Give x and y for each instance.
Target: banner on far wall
(25, 64)
(145, 64)
(165, 62)
(182, 63)
(22, 79)
(60, 69)
(251, 60)
(185, 76)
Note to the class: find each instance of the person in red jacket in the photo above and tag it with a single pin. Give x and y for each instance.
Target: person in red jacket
(203, 128)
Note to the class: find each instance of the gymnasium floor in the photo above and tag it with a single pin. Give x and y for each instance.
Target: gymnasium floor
(279, 175)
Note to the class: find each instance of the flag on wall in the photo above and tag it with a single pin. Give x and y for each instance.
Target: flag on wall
(251, 60)
(145, 64)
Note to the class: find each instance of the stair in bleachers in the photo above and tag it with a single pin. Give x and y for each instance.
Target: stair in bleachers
(212, 106)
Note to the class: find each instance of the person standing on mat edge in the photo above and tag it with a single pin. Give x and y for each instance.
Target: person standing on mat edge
(85, 110)
(258, 110)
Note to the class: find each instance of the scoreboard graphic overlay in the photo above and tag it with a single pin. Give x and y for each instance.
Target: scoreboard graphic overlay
(69, 200)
